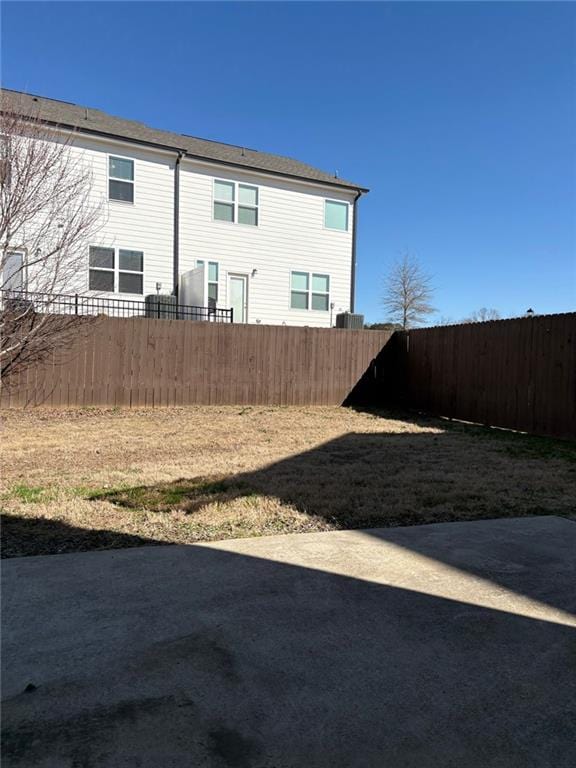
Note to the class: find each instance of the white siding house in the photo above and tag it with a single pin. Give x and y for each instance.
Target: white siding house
(274, 238)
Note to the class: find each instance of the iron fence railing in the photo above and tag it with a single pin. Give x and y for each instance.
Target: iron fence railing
(159, 307)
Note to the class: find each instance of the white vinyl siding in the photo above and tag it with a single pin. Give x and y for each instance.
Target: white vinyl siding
(290, 234)
(146, 226)
(290, 237)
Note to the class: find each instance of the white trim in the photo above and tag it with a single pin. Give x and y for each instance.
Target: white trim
(245, 277)
(116, 270)
(115, 178)
(309, 292)
(23, 271)
(235, 202)
(335, 229)
(222, 165)
(206, 264)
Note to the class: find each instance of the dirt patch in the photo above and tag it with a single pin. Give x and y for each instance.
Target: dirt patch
(101, 478)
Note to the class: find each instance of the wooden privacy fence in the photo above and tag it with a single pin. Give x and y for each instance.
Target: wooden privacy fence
(142, 362)
(517, 373)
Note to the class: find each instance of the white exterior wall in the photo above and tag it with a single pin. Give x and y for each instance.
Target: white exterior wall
(290, 236)
(146, 225)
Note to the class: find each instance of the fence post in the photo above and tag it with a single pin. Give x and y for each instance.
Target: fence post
(231, 314)
(76, 304)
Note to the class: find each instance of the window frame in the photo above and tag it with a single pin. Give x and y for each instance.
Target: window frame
(309, 292)
(204, 263)
(116, 269)
(339, 202)
(110, 178)
(23, 271)
(235, 203)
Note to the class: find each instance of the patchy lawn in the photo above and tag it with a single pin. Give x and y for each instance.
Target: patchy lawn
(95, 478)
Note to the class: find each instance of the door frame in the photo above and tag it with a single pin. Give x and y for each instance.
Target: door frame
(243, 276)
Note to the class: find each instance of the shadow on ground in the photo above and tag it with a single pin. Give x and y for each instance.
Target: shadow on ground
(22, 536)
(364, 480)
(202, 656)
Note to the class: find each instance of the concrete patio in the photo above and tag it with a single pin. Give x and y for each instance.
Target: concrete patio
(432, 646)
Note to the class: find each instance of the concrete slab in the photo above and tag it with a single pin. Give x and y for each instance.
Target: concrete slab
(441, 645)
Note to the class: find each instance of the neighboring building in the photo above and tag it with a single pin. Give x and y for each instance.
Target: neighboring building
(275, 237)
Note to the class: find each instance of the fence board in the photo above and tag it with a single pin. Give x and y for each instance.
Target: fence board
(518, 373)
(133, 362)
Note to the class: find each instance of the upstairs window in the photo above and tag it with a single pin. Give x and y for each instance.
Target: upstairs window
(336, 215)
(121, 179)
(309, 291)
(235, 203)
(247, 205)
(112, 271)
(224, 200)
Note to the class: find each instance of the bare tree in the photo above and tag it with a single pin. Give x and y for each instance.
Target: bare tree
(408, 293)
(482, 315)
(47, 219)
(446, 320)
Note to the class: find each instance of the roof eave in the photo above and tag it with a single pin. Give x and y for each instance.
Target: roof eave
(202, 158)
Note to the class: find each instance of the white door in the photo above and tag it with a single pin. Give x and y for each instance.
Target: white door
(238, 293)
(13, 272)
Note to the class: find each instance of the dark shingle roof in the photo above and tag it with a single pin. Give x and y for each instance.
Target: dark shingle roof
(90, 120)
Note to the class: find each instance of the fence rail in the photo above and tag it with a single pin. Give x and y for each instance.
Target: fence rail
(24, 302)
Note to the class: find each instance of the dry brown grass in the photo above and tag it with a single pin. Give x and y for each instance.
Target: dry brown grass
(93, 478)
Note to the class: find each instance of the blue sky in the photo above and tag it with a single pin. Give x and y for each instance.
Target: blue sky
(460, 118)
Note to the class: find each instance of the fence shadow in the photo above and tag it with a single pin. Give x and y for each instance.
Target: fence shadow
(384, 382)
(363, 481)
(199, 656)
(25, 536)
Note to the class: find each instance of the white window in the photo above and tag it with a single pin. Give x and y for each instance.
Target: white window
(116, 270)
(212, 280)
(12, 278)
(309, 291)
(336, 215)
(235, 202)
(121, 179)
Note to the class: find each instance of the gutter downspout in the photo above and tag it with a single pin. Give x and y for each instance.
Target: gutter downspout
(176, 242)
(353, 266)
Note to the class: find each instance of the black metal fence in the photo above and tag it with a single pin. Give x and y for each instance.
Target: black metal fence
(159, 307)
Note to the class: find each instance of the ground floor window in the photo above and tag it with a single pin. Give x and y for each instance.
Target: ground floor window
(309, 290)
(12, 277)
(116, 270)
(212, 281)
